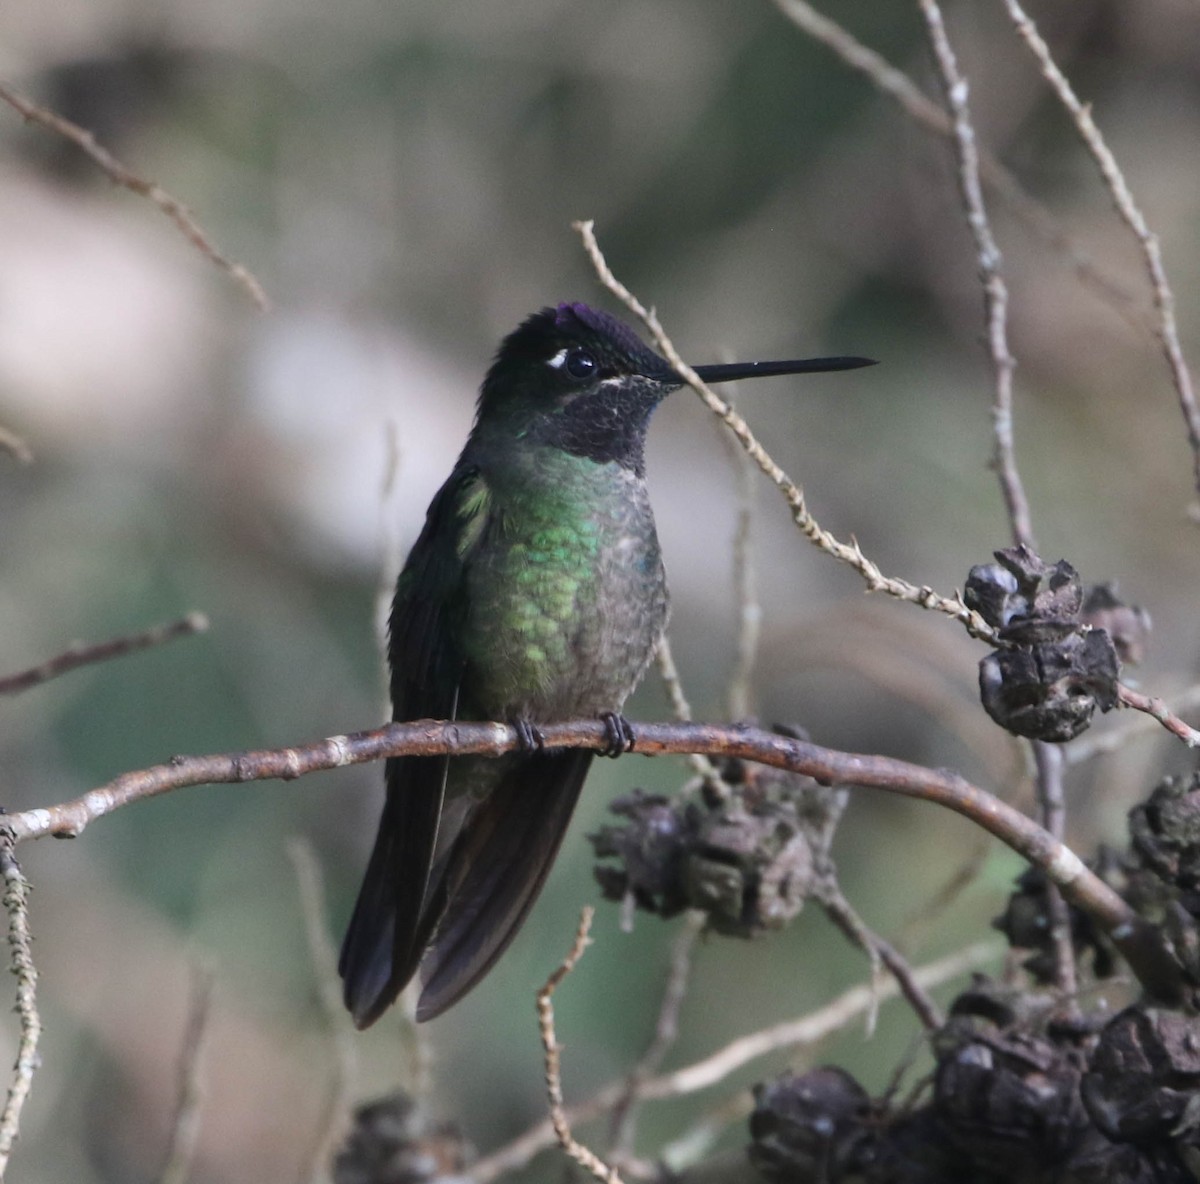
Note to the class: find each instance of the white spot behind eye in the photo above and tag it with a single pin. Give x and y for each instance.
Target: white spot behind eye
(558, 359)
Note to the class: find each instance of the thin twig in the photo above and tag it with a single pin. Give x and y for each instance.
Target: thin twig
(1157, 709)
(553, 1050)
(1114, 739)
(1139, 942)
(848, 553)
(909, 673)
(881, 953)
(811, 1028)
(83, 655)
(127, 179)
(713, 1069)
(20, 946)
(1049, 760)
(1131, 214)
(839, 910)
(995, 290)
(681, 709)
(323, 956)
(666, 1032)
(897, 85)
(177, 1164)
(698, 1141)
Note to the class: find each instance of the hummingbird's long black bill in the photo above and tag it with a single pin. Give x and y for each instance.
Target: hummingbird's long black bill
(731, 371)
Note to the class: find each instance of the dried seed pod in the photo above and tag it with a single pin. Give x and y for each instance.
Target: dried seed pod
(1007, 1091)
(1165, 831)
(1127, 624)
(389, 1143)
(1026, 922)
(748, 869)
(816, 1126)
(746, 861)
(994, 593)
(1143, 1083)
(745, 858)
(1055, 669)
(1099, 1161)
(649, 850)
(1050, 690)
(1025, 599)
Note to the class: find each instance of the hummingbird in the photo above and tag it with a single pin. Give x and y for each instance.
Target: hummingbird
(534, 593)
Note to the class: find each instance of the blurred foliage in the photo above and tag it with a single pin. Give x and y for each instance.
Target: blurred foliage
(402, 179)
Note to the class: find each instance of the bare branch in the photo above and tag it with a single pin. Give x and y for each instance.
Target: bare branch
(1139, 942)
(1049, 760)
(1032, 213)
(848, 553)
(84, 655)
(881, 953)
(127, 179)
(1131, 214)
(682, 710)
(545, 1008)
(810, 1028)
(995, 290)
(20, 942)
(666, 1032)
(714, 1069)
(186, 1127)
(324, 961)
(1158, 710)
(1115, 739)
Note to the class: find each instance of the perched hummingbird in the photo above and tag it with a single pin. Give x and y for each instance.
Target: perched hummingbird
(535, 593)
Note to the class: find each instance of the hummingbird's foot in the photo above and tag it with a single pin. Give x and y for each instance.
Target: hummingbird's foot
(619, 732)
(529, 737)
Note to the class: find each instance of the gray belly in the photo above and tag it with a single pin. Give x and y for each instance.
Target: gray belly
(567, 614)
(615, 641)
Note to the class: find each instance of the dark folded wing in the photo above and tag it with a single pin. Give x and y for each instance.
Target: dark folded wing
(396, 910)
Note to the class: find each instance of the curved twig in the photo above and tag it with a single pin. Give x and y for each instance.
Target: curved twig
(16, 902)
(848, 553)
(79, 654)
(995, 290)
(1139, 942)
(716, 1067)
(1132, 216)
(116, 172)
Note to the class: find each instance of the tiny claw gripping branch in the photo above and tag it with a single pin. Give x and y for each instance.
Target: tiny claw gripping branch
(1058, 662)
(619, 730)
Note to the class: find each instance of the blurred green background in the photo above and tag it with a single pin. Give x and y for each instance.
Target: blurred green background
(402, 179)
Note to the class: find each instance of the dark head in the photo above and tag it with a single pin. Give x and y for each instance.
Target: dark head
(579, 379)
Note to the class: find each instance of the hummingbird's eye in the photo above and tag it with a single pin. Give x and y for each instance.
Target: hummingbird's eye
(580, 364)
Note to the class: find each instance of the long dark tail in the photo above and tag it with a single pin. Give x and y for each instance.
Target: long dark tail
(497, 870)
(394, 915)
(472, 902)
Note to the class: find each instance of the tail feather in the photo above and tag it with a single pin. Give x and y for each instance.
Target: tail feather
(496, 870)
(396, 909)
